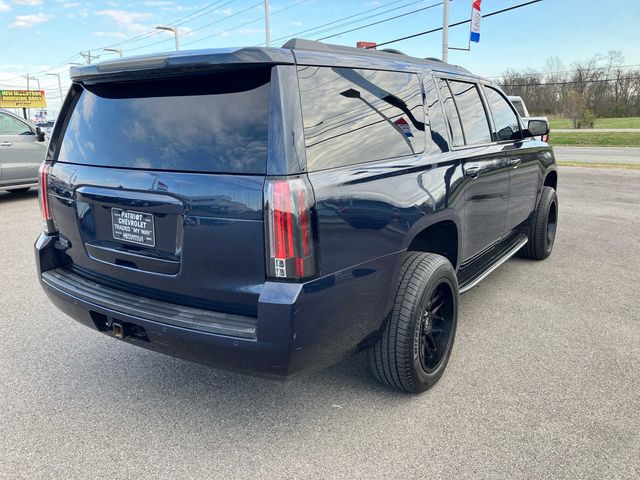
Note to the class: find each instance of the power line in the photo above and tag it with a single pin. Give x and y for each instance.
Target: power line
(246, 23)
(382, 21)
(433, 30)
(333, 22)
(352, 22)
(182, 21)
(214, 5)
(179, 21)
(17, 77)
(202, 26)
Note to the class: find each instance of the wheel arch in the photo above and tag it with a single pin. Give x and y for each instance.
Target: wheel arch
(444, 225)
(551, 180)
(440, 234)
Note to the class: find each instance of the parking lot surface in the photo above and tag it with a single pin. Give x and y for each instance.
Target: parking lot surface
(602, 155)
(543, 382)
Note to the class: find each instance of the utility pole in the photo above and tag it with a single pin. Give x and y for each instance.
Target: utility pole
(445, 31)
(26, 112)
(59, 84)
(88, 56)
(266, 22)
(175, 33)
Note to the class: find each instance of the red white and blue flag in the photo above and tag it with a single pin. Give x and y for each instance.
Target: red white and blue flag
(403, 125)
(475, 21)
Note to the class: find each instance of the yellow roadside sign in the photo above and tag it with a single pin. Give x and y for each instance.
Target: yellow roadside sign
(22, 99)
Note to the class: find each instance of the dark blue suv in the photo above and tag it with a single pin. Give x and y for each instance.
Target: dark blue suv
(274, 210)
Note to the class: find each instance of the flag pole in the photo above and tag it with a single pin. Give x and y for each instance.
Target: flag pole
(445, 31)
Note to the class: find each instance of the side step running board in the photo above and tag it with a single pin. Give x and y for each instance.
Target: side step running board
(489, 262)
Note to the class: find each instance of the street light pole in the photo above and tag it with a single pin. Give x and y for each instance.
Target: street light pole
(266, 22)
(115, 50)
(175, 32)
(445, 31)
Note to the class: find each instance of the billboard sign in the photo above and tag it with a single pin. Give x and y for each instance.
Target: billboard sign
(22, 99)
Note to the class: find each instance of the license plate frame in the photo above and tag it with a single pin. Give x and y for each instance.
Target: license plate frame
(133, 227)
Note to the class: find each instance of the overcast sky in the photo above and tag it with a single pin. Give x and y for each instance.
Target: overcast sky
(37, 36)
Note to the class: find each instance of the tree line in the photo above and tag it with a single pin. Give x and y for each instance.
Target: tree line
(600, 87)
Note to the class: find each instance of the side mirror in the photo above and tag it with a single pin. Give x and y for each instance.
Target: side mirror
(39, 134)
(536, 128)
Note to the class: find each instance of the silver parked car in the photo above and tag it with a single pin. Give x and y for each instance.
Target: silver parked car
(22, 150)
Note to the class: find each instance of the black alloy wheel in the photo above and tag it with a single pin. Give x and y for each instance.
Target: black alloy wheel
(436, 328)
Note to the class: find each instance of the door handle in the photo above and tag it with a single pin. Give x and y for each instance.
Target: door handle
(5, 144)
(514, 162)
(472, 172)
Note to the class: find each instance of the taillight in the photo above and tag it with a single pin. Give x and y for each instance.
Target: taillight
(48, 223)
(290, 229)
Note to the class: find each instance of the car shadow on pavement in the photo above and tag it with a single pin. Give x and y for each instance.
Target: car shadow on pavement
(9, 197)
(150, 375)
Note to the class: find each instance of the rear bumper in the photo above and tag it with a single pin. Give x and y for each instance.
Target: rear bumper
(298, 326)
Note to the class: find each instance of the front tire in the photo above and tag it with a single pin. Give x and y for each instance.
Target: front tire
(542, 230)
(414, 347)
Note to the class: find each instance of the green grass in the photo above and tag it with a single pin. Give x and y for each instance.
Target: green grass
(626, 122)
(631, 166)
(596, 139)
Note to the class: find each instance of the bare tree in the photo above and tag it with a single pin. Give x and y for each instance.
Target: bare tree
(600, 86)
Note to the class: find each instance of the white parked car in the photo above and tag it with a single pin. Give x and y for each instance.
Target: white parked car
(521, 108)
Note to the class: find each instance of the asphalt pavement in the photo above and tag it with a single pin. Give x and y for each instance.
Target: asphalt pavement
(617, 155)
(543, 382)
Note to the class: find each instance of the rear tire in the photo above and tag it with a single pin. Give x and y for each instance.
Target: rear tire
(542, 230)
(414, 347)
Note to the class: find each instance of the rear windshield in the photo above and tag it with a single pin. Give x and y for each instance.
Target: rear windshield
(210, 123)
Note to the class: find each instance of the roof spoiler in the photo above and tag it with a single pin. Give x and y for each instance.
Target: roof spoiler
(181, 61)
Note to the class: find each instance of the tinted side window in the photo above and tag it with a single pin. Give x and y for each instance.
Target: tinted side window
(504, 118)
(453, 120)
(471, 110)
(435, 116)
(12, 126)
(354, 116)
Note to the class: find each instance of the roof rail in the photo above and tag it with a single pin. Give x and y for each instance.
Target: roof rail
(393, 50)
(312, 45)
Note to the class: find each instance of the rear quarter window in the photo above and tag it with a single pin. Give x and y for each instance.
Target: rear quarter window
(209, 123)
(353, 116)
(451, 111)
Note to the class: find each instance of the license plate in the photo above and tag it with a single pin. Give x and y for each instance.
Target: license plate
(134, 227)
